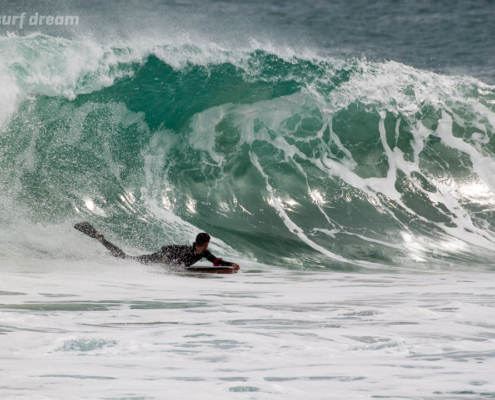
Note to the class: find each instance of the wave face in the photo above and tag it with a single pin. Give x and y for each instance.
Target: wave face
(288, 159)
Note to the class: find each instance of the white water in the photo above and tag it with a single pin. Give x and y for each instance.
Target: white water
(112, 329)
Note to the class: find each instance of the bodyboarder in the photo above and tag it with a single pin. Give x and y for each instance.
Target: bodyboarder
(175, 254)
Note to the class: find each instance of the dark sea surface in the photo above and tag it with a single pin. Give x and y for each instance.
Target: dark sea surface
(452, 37)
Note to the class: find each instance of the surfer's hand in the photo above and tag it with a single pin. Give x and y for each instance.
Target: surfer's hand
(236, 266)
(99, 236)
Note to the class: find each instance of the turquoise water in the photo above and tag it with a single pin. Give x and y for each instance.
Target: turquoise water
(303, 162)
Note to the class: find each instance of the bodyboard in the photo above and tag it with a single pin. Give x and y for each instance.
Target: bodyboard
(212, 270)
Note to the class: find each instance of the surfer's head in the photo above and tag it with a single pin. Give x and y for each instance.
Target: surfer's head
(202, 241)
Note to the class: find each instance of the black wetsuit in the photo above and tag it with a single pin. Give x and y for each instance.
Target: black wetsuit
(175, 254)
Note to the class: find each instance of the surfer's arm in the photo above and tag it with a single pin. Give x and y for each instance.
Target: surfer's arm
(218, 261)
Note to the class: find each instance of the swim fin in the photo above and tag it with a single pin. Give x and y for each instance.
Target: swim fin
(87, 228)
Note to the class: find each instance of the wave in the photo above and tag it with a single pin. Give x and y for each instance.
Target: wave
(287, 158)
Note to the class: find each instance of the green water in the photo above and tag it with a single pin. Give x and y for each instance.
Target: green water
(292, 161)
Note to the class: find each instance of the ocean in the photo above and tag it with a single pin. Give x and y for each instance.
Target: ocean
(341, 152)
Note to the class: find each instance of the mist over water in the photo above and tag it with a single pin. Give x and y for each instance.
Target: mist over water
(448, 38)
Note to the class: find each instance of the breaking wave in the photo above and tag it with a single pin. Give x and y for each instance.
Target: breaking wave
(288, 159)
